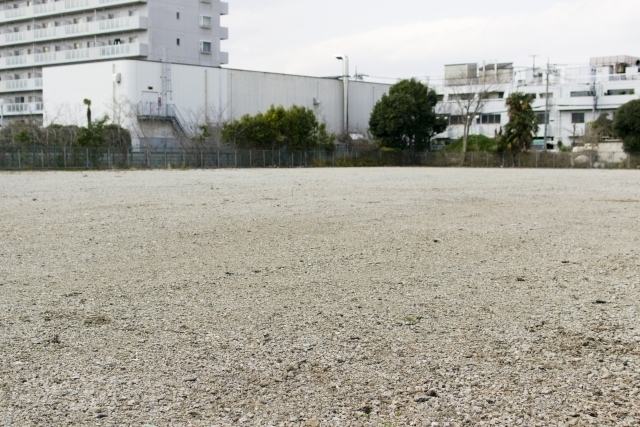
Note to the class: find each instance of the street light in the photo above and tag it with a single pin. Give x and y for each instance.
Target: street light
(345, 81)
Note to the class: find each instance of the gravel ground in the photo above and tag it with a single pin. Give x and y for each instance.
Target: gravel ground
(320, 297)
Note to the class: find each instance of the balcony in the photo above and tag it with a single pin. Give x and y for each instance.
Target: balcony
(26, 108)
(129, 50)
(58, 8)
(224, 33)
(20, 85)
(127, 23)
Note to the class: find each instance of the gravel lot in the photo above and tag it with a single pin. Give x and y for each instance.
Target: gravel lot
(320, 297)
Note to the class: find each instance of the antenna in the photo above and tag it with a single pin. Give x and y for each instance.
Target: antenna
(534, 62)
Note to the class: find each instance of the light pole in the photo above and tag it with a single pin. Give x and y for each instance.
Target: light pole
(345, 82)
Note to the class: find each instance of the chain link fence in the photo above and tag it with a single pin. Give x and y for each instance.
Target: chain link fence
(61, 158)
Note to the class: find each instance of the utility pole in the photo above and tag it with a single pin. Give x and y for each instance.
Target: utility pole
(546, 109)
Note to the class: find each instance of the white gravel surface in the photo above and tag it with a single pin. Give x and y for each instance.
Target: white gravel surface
(320, 297)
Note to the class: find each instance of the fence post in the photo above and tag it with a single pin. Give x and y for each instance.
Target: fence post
(41, 159)
(183, 159)
(628, 161)
(250, 160)
(19, 161)
(218, 158)
(64, 157)
(503, 159)
(305, 159)
(279, 157)
(264, 159)
(129, 154)
(235, 157)
(87, 153)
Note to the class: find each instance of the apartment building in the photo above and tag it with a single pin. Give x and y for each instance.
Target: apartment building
(576, 95)
(39, 34)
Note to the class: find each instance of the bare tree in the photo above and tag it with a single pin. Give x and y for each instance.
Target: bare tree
(467, 98)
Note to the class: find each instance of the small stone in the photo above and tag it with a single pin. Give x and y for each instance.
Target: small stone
(190, 379)
(312, 423)
(101, 415)
(421, 398)
(432, 393)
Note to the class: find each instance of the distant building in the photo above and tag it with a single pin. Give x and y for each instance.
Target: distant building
(577, 95)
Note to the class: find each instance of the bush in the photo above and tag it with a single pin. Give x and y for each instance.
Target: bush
(474, 143)
(294, 129)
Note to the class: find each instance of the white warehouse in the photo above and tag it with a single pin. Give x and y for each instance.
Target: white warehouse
(157, 101)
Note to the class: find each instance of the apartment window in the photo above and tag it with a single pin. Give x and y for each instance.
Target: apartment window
(581, 93)
(621, 92)
(577, 117)
(19, 99)
(205, 21)
(544, 95)
(540, 117)
(177, 15)
(456, 120)
(177, 42)
(205, 47)
(489, 119)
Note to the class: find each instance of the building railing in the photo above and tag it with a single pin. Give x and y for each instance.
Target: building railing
(127, 50)
(20, 85)
(125, 23)
(25, 108)
(59, 8)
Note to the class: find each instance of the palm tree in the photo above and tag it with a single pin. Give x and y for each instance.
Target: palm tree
(87, 102)
(523, 124)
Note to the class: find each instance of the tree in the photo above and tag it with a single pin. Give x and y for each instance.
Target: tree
(523, 123)
(626, 124)
(87, 102)
(405, 119)
(295, 129)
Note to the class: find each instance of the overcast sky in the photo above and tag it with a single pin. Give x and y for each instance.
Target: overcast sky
(406, 38)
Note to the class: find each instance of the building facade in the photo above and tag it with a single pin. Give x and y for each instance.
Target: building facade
(39, 34)
(160, 102)
(576, 96)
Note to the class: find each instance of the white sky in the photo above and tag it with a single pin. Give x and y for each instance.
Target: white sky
(415, 38)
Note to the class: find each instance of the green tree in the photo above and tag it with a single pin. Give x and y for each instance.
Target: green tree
(523, 124)
(626, 124)
(93, 136)
(295, 129)
(405, 119)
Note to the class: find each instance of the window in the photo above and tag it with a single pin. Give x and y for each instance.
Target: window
(205, 47)
(177, 42)
(621, 92)
(177, 15)
(456, 120)
(205, 21)
(544, 95)
(540, 117)
(440, 98)
(581, 93)
(489, 119)
(577, 117)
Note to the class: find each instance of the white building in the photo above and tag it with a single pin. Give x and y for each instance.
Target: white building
(38, 34)
(160, 101)
(577, 95)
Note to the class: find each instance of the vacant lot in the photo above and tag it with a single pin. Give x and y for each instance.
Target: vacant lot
(326, 297)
